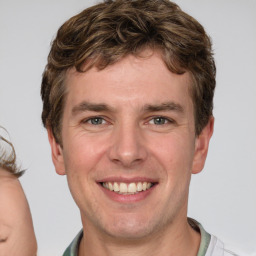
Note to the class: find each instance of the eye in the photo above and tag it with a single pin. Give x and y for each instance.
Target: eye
(95, 121)
(159, 120)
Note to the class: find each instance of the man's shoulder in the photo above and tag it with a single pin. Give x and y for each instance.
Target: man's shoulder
(210, 245)
(218, 248)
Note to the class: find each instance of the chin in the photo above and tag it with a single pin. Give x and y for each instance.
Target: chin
(130, 229)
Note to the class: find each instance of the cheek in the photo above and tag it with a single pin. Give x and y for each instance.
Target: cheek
(175, 153)
(82, 159)
(83, 153)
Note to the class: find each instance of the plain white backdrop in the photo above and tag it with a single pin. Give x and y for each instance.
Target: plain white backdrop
(222, 197)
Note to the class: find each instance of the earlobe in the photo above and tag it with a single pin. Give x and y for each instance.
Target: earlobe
(201, 147)
(57, 154)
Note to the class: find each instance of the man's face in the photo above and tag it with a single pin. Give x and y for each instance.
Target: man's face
(130, 127)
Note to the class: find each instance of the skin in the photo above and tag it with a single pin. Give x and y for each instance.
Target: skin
(17, 237)
(126, 141)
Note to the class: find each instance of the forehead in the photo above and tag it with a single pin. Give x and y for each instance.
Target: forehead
(132, 79)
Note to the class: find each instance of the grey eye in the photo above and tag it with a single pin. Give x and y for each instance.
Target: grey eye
(159, 120)
(96, 120)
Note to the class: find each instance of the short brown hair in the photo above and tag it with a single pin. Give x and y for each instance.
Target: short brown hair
(105, 33)
(8, 160)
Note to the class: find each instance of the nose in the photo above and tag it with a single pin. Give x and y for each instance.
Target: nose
(128, 146)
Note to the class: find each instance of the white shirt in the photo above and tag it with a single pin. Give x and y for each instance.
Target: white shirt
(217, 248)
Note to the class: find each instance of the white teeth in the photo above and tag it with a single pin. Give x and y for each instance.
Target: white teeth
(144, 186)
(116, 187)
(127, 188)
(132, 188)
(139, 186)
(110, 186)
(123, 188)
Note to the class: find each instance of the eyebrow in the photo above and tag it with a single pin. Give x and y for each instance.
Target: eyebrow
(87, 106)
(166, 106)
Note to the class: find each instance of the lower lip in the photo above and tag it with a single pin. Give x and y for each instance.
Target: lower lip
(127, 198)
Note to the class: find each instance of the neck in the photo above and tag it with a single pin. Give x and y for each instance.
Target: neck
(178, 239)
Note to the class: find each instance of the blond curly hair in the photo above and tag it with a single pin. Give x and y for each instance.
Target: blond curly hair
(8, 160)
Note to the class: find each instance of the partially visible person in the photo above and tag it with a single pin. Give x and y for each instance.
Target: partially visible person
(17, 236)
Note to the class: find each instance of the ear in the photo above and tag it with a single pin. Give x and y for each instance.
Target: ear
(57, 154)
(201, 147)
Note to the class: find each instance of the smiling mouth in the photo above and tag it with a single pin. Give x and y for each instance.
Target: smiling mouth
(127, 188)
